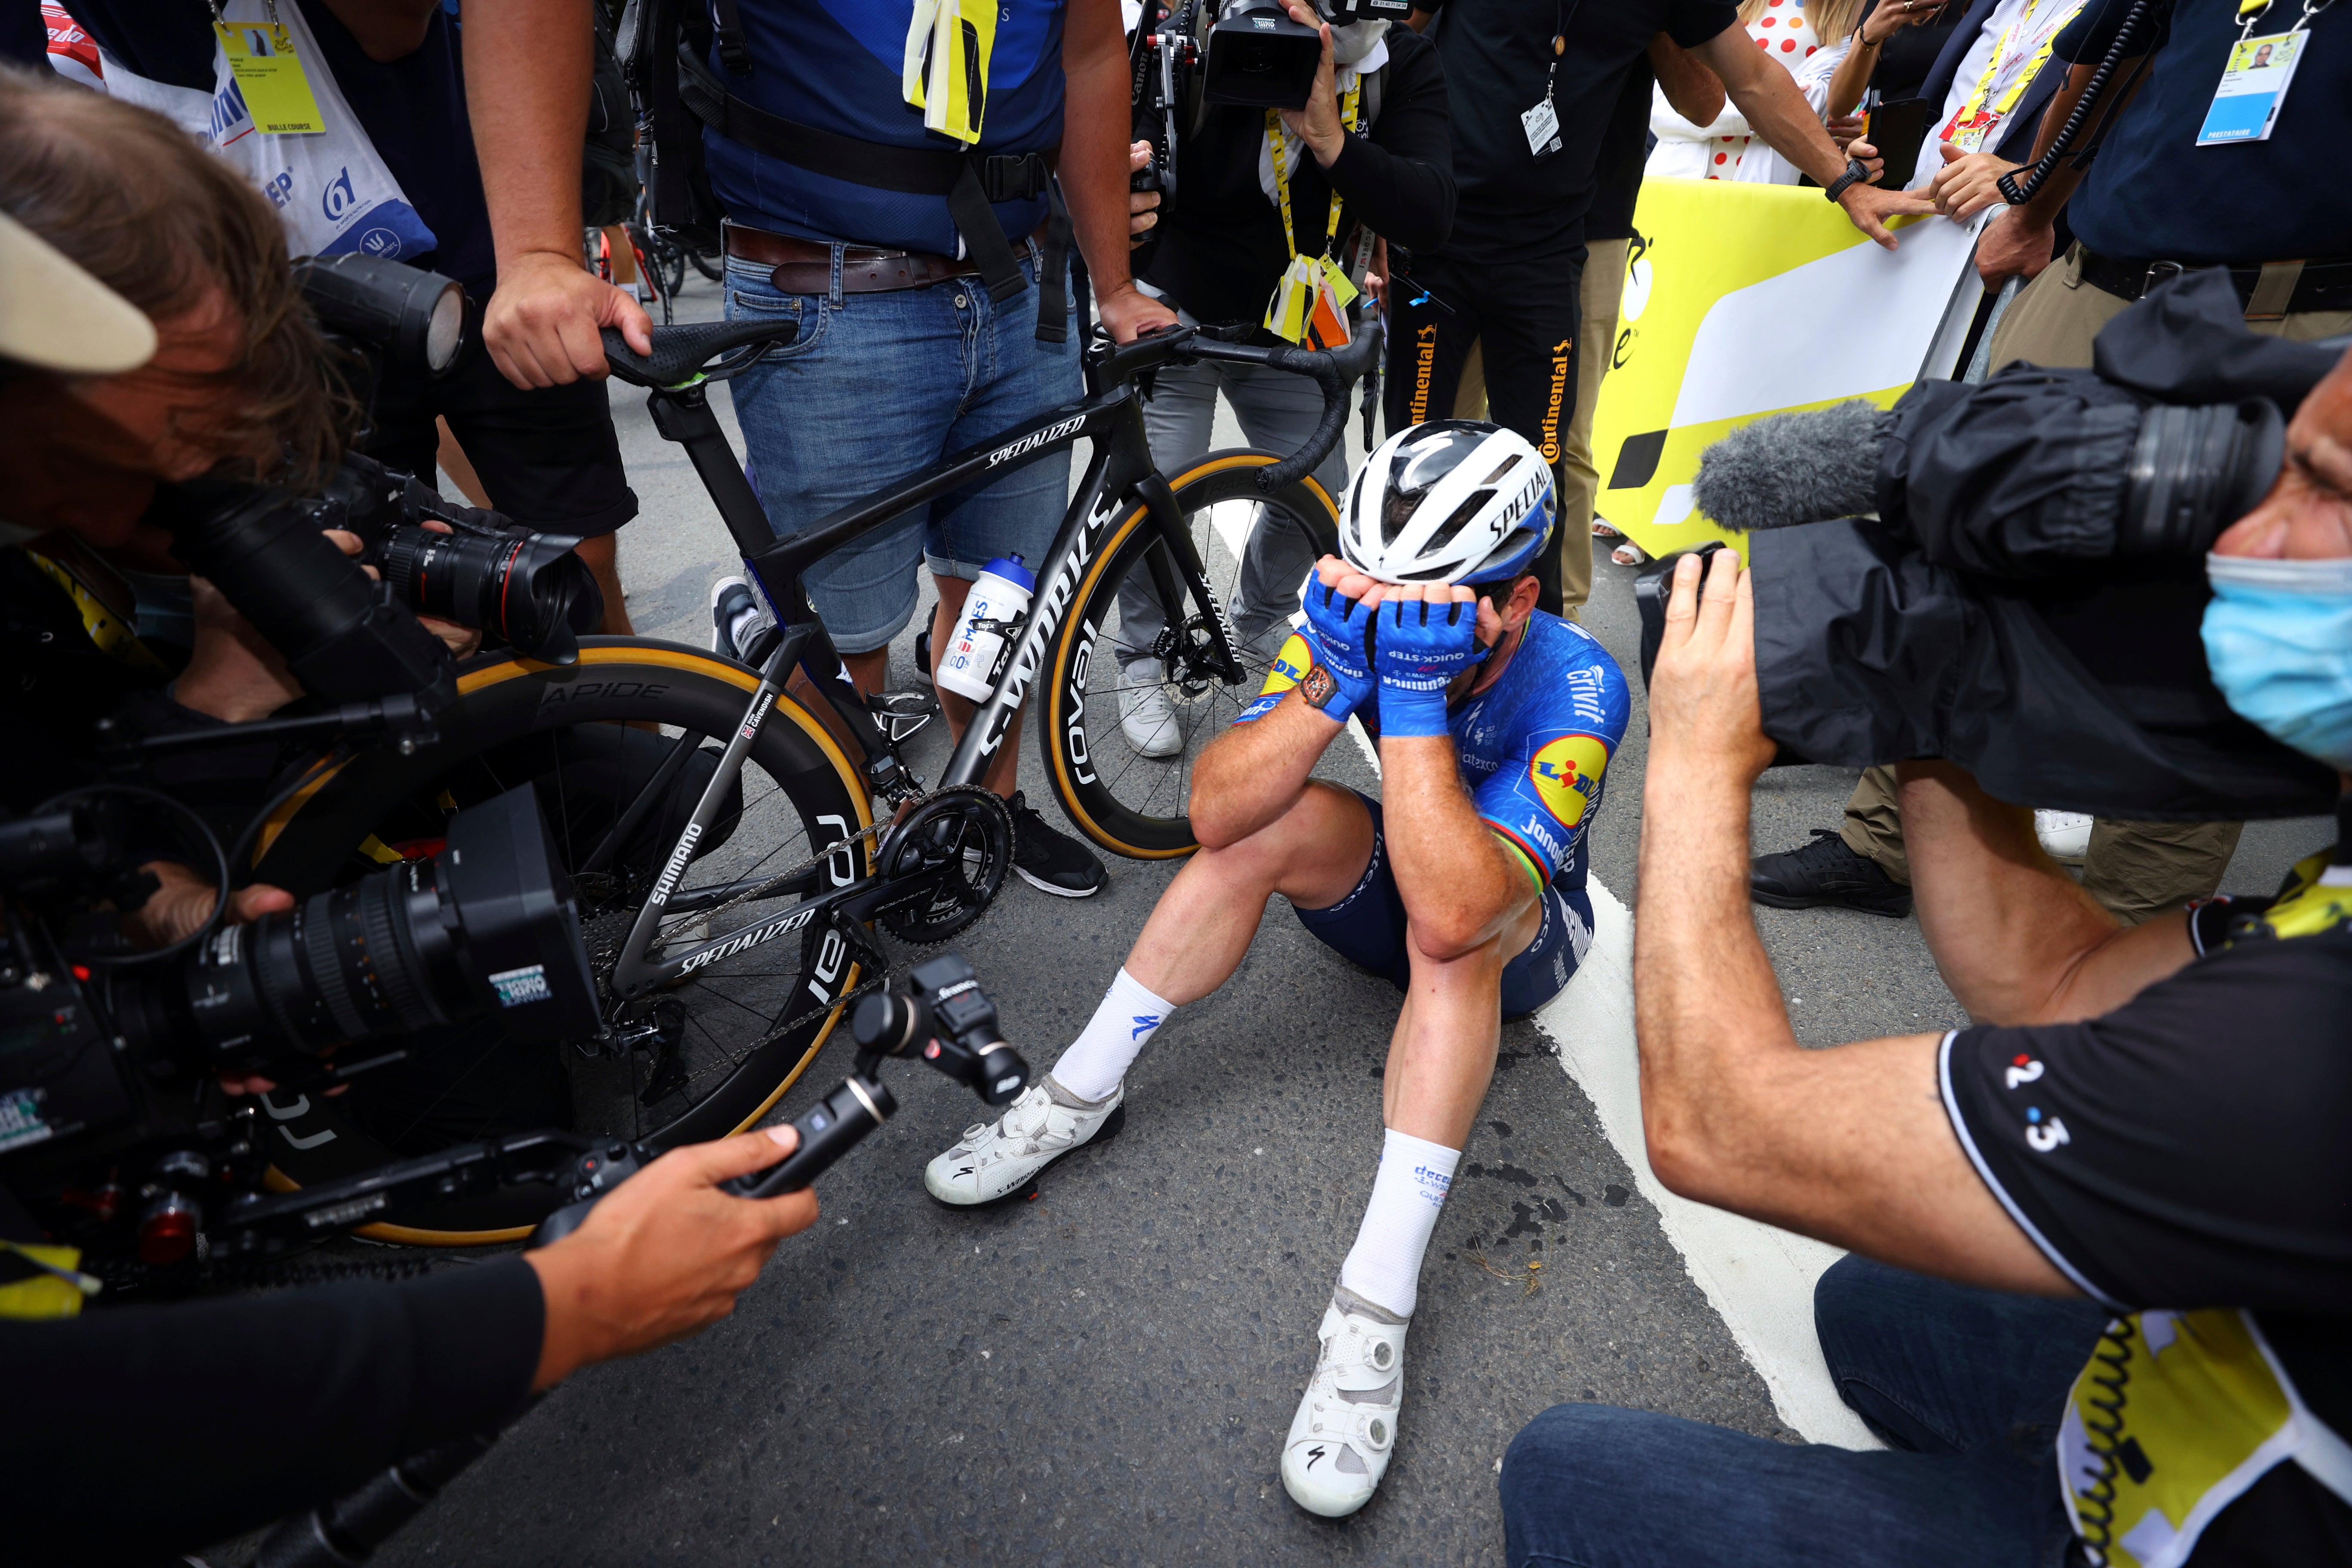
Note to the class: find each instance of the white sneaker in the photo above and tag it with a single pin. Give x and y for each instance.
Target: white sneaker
(1346, 1428)
(2065, 835)
(990, 1163)
(1144, 713)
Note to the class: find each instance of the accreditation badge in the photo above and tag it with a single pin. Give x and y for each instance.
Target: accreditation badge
(269, 71)
(2253, 88)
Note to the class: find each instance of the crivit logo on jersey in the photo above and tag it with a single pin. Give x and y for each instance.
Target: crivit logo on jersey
(1566, 774)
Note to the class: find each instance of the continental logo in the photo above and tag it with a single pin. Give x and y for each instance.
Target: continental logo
(1290, 666)
(1560, 354)
(1566, 774)
(1424, 357)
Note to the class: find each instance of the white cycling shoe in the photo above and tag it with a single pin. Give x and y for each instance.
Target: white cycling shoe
(1346, 1428)
(1145, 714)
(993, 1163)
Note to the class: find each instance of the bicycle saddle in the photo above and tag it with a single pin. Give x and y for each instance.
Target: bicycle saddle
(701, 348)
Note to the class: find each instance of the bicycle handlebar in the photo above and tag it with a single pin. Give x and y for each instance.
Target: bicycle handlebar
(1334, 370)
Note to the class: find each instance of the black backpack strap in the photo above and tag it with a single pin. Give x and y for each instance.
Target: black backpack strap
(969, 182)
(734, 52)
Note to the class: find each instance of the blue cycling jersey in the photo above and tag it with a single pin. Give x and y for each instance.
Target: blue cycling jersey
(1533, 747)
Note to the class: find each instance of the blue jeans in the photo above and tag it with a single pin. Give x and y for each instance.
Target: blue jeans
(876, 387)
(1968, 1385)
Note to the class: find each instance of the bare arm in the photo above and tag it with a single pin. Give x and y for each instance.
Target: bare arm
(386, 30)
(1463, 888)
(528, 64)
(2018, 243)
(1692, 91)
(2014, 937)
(1254, 772)
(1849, 1144)
(1096, 160)
(1778, 113)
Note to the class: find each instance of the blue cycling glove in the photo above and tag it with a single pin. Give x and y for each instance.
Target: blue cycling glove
(1423, 646)
(1336, 625)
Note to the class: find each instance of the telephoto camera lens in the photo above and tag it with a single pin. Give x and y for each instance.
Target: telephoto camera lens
(2195, 470)
(528, 588)
(486, 927)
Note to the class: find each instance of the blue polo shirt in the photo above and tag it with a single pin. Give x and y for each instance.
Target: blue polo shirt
(835, 65)
(2152, 192)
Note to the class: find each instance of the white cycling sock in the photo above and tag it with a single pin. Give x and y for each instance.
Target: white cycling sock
(1384, 1266)
(1095, 1062)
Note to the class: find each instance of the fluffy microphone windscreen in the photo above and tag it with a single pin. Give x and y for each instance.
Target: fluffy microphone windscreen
(1793, 469)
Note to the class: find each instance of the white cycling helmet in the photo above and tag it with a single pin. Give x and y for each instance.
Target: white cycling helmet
(1452, 500)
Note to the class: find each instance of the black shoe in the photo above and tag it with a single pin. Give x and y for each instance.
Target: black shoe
(923, 657)
(1826, 871)
(1053, 862)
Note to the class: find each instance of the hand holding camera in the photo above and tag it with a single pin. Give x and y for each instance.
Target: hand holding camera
(666, 1255)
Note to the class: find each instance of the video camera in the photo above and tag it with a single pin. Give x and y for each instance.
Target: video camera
(108, 1054)
(1247, 53)
(2011, 575)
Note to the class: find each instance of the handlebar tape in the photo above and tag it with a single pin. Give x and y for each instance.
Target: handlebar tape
(1334, 371)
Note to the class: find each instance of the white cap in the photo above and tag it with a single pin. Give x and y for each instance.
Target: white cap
(54, 316)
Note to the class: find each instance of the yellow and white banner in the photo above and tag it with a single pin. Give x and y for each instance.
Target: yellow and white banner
(1744, 300)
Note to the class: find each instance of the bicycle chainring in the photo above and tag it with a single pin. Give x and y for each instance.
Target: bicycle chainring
(946, 861)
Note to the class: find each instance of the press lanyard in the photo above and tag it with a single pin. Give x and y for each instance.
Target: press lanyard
(1311, 297)
(1541, 123)
(1281, 173)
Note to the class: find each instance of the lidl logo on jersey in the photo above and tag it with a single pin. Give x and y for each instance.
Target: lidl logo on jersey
(1566, 773)
(1289, 664)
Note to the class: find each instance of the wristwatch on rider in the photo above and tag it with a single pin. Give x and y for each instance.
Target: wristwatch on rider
(1855, 171)
(1319, 689)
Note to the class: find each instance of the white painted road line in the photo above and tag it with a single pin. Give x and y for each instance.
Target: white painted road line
(1760, 1278)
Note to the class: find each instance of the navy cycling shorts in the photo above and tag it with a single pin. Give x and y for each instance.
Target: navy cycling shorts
(1367, 929)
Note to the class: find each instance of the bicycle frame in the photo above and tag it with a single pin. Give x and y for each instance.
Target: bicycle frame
(1118, 473)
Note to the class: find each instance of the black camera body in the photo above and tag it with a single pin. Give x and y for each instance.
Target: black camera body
(108, 1057)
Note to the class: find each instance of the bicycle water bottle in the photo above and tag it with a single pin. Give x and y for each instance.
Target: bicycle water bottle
(1000, 593)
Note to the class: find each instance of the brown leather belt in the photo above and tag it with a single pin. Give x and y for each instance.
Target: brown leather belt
(806, 266)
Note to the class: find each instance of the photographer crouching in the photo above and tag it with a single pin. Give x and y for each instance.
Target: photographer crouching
(2097, 1296)
(143, 1430)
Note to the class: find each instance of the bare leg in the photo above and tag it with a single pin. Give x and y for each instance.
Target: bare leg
(1312, 855)
(603, 555)
(1441, 1057)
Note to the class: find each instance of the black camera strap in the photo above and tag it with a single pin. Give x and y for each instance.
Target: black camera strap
(969, 181)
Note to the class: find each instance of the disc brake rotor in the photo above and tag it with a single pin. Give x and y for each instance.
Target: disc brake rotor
(945, 862)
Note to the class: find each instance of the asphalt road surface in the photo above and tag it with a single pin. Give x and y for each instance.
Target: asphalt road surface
(1105, 1374)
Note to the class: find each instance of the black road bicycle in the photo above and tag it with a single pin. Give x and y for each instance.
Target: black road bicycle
(720, 829)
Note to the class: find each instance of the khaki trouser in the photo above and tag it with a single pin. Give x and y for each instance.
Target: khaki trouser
(2134, 869)
(1580, 482)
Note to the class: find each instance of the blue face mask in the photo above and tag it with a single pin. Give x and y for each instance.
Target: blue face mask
(2278, 638)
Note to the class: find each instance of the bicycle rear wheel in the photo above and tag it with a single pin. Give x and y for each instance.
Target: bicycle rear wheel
(1119, 640)
(700, 1060)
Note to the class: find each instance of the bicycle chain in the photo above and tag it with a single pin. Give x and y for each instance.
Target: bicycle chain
(622, 922)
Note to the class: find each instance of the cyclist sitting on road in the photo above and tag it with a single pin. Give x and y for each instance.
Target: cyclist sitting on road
(1495, 723)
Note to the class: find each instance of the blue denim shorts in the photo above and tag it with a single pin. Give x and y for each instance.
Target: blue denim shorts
(1367, 929)
(878, 387)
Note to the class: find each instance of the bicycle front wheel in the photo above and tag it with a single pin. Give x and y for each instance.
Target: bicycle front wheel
(635, 723)
(1132, 699)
